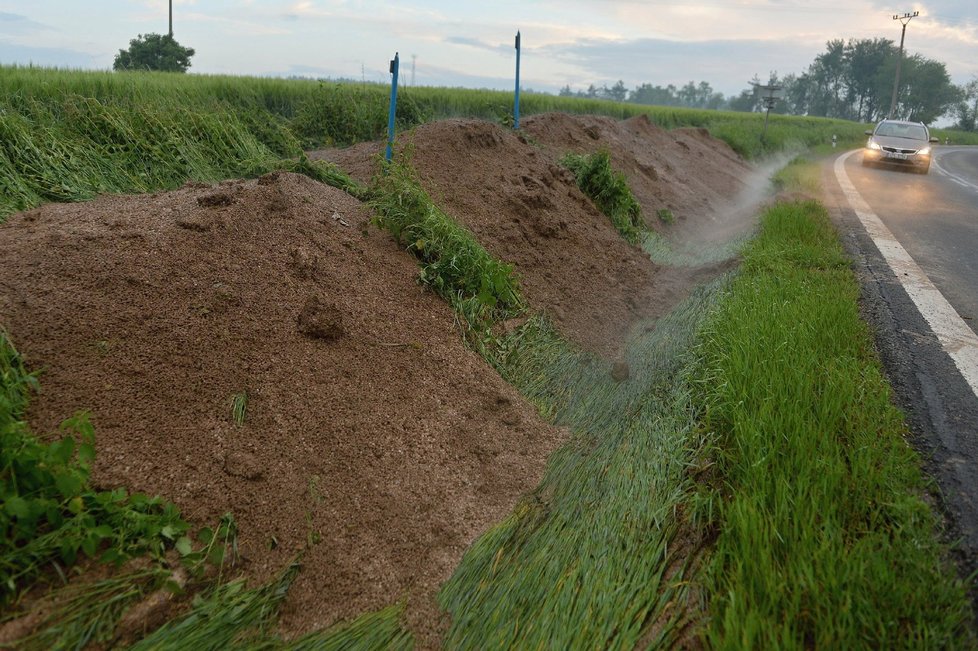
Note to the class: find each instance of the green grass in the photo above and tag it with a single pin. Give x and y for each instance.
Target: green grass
(592, 558)
(609, 190)
(801, 174)
(71, 135)
(453, 264)
(233, 616)
(823, 539)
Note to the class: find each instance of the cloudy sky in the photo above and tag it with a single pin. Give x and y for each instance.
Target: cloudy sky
(456, 43)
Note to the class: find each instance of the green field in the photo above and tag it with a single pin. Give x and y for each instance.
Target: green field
(70, 135)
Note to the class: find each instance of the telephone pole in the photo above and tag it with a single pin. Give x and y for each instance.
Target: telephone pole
(904, 19)
(171, 18)
(414, 60)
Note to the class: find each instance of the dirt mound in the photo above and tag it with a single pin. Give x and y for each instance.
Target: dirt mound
(686, 171)
(527, 210)
(511, 191)
(373, 440)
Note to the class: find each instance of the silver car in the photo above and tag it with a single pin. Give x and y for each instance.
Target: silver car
(899, 143)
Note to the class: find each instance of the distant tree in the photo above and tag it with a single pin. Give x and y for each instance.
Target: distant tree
(618, 92)
(966, 108)
(566, 91)
(154, 52)
(649, 94)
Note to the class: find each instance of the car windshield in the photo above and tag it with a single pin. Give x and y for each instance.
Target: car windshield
(909, 131)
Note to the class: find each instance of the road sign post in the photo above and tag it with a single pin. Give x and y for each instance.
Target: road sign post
(516, 101)
(395, 65)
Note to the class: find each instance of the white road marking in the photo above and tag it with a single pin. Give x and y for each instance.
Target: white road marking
(958, 340)
(957, 179)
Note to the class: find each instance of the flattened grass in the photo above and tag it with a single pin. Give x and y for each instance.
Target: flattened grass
(592, 558)
(824, 539)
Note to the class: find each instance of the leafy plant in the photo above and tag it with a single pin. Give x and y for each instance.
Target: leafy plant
(49, 513)
(665, 216)
(609, 191)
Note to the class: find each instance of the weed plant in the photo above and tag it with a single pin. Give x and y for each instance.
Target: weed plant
(50, 514)
(609, 190)
(823, 538)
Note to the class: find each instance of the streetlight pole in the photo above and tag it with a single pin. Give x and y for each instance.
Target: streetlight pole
(904, 19)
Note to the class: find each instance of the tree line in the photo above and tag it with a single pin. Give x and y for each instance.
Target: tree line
(850, 80)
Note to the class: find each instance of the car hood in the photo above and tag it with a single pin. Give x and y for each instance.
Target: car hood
(899, 143)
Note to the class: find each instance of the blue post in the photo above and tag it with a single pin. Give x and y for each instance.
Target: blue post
(516, 103)
(395, 64)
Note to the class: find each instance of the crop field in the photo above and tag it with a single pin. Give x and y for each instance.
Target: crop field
(730, 473)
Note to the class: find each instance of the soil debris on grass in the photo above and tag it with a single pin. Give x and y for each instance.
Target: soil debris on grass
(376, 444)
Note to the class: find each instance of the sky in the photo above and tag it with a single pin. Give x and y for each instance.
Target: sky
(470, 44)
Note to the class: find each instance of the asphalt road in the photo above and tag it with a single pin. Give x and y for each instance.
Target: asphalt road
(918, 265)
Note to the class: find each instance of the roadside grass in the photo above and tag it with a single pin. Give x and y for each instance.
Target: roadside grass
(801, 174)
(609, 190)
(234, 616)
(823, 538)
(599, 554)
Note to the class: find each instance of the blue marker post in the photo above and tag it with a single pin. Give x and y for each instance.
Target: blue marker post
(516, 103)
(395, 64)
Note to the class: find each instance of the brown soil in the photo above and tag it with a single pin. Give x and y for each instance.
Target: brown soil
(686, 171)
(526, 209)
(375, 443)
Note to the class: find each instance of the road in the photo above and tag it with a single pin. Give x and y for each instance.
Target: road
(914, 240)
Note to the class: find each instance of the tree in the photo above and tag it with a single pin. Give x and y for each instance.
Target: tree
(618, 92)
(926, 91)
(154, 52)
(649, 94)
(967, 108)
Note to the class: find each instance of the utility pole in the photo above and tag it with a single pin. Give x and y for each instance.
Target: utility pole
(414, 60)
(904, 19)
(171, 18)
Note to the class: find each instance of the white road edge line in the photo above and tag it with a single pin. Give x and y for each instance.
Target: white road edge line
(958, 340)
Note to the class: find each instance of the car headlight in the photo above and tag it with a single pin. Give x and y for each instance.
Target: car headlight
(924, 152)
(872, 145)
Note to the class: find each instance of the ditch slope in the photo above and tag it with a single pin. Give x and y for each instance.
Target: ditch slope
(375, 444)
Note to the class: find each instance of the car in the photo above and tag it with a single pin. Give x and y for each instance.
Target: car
(899, 143)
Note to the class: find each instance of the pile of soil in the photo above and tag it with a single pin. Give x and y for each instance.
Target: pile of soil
(686, 171)
(528, 211)
(525, 208)
(374, 442)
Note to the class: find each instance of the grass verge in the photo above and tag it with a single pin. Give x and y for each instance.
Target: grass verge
(823, 538)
